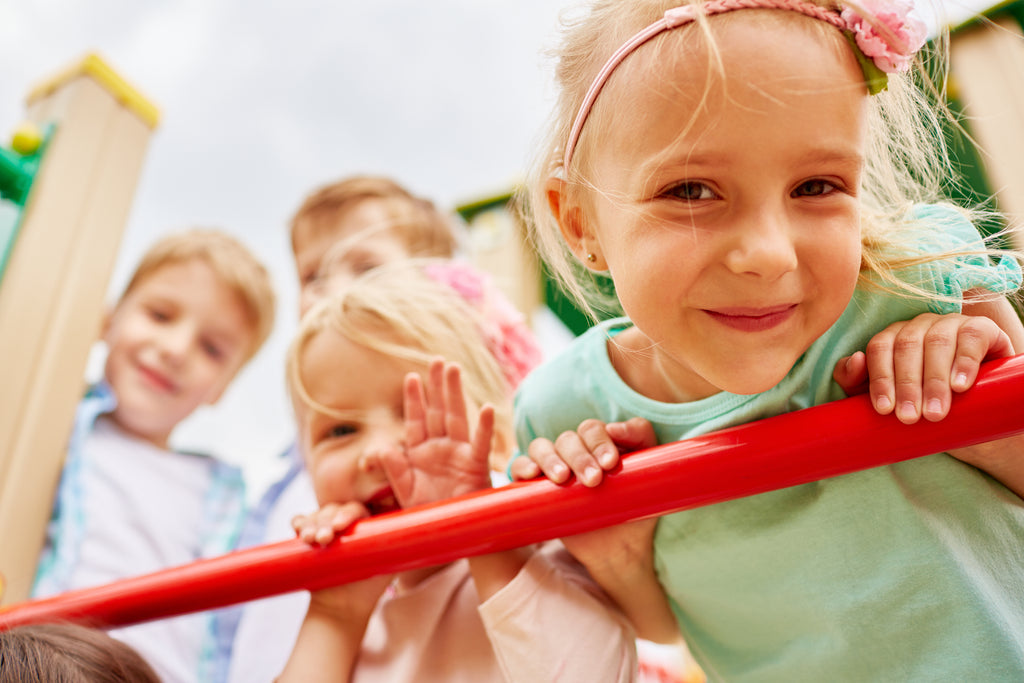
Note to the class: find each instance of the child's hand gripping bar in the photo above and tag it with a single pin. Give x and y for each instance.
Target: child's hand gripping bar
(796, 448)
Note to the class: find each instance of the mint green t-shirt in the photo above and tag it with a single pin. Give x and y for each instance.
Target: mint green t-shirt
(913, 571)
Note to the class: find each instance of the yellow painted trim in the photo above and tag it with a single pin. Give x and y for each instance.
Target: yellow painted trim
(93, 66)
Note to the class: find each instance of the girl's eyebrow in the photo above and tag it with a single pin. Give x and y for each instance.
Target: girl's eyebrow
(833, 155)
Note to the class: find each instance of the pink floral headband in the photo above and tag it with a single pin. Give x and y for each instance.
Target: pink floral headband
(508, 337)
(885, 36)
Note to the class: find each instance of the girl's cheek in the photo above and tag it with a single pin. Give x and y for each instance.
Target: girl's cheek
(332, 476)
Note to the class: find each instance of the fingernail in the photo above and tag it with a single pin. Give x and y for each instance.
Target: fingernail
(607, 458)
(907, 411)
(560, 470)
(934, 407)
(883, 402)
(591, 476)
(960, 381)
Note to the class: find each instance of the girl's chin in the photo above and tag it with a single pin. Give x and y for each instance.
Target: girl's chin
(756, 381)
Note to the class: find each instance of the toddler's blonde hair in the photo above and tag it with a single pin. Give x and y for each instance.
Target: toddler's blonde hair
(232, 263)
(907, 161)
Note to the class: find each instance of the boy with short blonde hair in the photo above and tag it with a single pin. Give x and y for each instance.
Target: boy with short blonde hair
(198, 307)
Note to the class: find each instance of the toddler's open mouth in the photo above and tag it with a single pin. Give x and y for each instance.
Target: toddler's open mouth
(382, 501)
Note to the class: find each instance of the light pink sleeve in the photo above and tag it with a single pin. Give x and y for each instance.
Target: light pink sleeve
(552, 622)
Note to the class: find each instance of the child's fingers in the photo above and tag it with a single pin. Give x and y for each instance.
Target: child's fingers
(978, 339)
(851, 374)
(307, 526)
(456, 422)
(484, 434)
(321, 527)
(522, 468)
(415, 412)
(597, 446)
(634, 434)
(340, 519)
(544, 456)
(954, 349)
(435, 413)
(895, 364)
(879, 362)
(576, 449)
(939, 346)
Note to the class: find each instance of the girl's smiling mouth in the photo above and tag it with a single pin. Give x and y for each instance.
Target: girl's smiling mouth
(753, 319)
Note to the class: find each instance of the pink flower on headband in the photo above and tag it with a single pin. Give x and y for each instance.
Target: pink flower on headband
(508, 337)
(896, 35)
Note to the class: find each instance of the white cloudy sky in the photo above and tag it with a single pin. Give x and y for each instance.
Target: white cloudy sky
(262, 100)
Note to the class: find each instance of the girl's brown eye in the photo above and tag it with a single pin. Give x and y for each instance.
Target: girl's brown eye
(692, 192)
(338, 431)
(813, 188)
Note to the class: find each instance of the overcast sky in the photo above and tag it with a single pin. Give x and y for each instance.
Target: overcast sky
(262, 101)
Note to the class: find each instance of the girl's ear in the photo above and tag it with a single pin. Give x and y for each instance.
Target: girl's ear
(576, 230)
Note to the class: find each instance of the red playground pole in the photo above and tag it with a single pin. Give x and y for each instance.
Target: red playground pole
(796, 448)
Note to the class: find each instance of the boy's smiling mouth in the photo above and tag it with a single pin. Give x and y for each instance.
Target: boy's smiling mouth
(156, 379)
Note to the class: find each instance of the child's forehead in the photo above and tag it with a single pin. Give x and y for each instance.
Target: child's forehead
(177, 274)
(685, 82)
(341, 373)
(333, 237)
(700, 50)
(349, 216)
(191, 282)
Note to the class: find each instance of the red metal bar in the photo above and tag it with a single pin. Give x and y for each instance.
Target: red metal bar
(795, 448)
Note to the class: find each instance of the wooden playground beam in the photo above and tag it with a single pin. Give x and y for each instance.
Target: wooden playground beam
(795, 448)
(54, 288)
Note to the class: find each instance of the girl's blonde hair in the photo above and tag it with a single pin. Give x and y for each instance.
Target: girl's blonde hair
(232, 263)
(907, 161)
(400, 310)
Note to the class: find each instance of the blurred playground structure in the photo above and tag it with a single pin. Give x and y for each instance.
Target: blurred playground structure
(67, 182)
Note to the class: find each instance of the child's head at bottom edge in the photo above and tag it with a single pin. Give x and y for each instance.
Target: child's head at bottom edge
(69, 653)
(197, 309)
(347, 365)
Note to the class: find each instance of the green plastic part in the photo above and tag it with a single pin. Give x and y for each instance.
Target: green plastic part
(17, 173)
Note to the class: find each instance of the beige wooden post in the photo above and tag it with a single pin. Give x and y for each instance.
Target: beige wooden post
(52, 295)
(987, 68)
(499, 247)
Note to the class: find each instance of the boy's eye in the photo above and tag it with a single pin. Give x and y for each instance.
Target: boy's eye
(159, 315)
(212, 350)
(692, 191)
(813, 188)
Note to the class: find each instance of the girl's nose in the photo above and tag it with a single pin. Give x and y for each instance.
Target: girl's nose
(763, 246)
(368, 462)
(384, 439)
